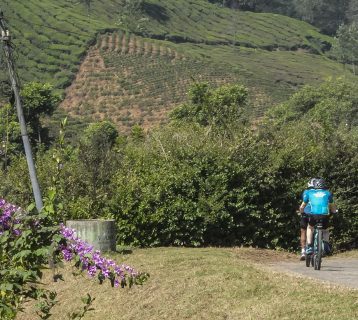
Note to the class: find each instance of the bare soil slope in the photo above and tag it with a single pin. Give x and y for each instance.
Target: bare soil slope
(132, 80)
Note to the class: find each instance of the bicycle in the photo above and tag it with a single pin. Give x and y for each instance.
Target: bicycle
(315, 258)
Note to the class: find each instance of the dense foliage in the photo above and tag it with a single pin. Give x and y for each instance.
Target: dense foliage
(191, 183)
(215, 108)
(318, 131)
(39, 102)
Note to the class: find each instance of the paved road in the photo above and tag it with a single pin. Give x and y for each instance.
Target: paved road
(338, 271)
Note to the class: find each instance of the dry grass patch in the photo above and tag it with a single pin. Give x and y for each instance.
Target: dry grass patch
(264, 256)
(346, 254)
(205, 283)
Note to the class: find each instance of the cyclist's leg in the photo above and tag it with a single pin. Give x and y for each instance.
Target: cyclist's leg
(325, 231)
(325, 236)
(303, 225)
(310, 230)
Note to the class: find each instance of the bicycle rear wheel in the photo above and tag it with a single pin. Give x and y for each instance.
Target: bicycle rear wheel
(318, 254)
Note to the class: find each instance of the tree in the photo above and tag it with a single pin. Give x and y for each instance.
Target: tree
(346, 45)
(39, 100)
(131, 16)
(213, 107)
(352, 11)
(325, 14)
(96, 157)
(10, 136)
(100, 133)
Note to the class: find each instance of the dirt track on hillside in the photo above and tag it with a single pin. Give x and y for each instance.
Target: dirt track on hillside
(337, 270)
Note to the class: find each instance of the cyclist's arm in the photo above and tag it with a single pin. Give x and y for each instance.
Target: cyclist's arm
(332, 205)
(302, 207)
(332, 208)
(305, 200)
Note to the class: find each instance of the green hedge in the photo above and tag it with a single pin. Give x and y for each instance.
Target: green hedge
(187, 184)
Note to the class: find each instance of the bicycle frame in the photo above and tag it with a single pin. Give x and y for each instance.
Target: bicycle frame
(315, 259)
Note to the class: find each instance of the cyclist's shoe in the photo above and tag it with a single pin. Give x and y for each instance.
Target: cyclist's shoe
(309, 250)
(303, 256)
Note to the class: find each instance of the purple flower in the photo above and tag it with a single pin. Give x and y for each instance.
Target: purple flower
(67, 254)
(92, 271)
(17, 232)
(92, 260)
(7, 217)
(105, 272)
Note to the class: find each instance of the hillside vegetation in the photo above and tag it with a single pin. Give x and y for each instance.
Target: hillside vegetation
(133, 80)
(272, 54)
(51, 37)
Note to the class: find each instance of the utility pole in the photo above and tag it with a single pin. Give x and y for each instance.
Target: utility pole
(6, 39)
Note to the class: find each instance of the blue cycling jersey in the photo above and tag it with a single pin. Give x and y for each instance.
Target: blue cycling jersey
(307, 208)
(319, 199)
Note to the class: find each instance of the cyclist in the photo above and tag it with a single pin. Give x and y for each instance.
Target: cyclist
(304, 219)
(321, 202)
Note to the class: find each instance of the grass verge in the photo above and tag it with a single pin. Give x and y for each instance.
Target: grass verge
(205, 283)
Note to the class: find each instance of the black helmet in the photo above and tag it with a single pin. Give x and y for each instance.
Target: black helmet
(320, 184)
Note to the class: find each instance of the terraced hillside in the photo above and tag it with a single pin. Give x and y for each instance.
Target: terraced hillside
(201, 22)
(132, 80)
(51, 37)
(138, 79)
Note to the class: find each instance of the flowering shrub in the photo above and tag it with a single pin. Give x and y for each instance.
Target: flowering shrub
(92, 261)
(7, 212)
(26, 242)
(29, 241)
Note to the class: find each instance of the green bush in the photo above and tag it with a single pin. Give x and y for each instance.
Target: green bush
(244, 189)
(162, 196)
(189, 184)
